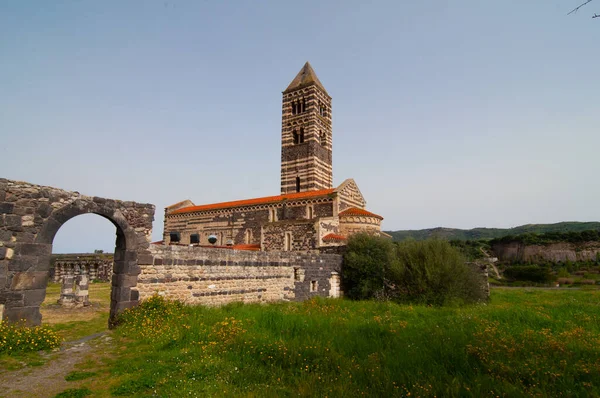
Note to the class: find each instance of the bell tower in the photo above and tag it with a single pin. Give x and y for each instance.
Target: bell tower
(306, 139)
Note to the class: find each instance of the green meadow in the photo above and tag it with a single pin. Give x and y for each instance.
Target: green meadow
(524, 342)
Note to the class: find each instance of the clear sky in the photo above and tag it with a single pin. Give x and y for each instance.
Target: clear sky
(446, 113)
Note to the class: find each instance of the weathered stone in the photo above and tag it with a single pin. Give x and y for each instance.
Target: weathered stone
(6, 208)
(34, 297)
(29, 280)
(30, 315)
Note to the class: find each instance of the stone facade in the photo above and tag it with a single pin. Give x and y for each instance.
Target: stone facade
(209, 276)
(30, 216)
(98, 267)
(307, 193)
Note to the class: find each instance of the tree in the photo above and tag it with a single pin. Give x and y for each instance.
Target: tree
(581, 5)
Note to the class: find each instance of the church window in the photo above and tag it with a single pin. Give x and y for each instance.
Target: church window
(297, 184)
(175, 237)
(294, 108)
(194, 239)
(272, 215)
(287, 243)
(309, 212)
(296, 136)
(303, 105)
(314, 286)
(301, 138)
(322, 138)
(248, 236)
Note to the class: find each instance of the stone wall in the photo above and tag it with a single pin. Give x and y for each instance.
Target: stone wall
(557, 252)
(209, 276)
(293, 235)
(98, 267)
(30, 216)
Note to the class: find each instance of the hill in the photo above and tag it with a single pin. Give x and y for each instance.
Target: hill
(492, 233)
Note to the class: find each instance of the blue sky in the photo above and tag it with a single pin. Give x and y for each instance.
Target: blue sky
(457, 114)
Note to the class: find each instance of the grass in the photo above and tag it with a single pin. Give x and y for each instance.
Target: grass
(75, 323)
(525, 342)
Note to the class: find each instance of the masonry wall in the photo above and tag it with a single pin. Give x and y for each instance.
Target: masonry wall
(302, 235)
(207, 276)
(234, 223)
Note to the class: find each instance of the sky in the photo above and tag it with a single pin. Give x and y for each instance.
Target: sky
(459, 114)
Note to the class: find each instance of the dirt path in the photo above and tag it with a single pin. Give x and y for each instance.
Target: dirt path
(49, 379)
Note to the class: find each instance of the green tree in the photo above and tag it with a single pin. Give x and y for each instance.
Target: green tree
(367, 261)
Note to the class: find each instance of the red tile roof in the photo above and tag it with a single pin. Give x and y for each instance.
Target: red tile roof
(353, 211)
(256, 201)
(333, 237)
(247, 247)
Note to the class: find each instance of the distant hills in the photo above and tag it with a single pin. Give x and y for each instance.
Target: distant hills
(491, 233)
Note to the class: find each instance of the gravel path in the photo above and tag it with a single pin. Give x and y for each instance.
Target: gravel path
(49, 379)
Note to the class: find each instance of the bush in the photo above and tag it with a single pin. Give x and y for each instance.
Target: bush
(565, 281)
(367, 260)
(15, 338)
(433, 272)
(531, 273)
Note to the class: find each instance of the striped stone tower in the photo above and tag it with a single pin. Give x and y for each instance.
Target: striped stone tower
(306, 135)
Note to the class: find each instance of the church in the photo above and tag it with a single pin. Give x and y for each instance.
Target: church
(308, 214)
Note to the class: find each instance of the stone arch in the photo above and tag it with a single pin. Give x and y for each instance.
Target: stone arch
(36, 213)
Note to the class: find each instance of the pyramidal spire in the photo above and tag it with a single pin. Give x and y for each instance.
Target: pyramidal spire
(304, 78)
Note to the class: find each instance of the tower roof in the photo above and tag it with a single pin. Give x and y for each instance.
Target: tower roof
(304, 78)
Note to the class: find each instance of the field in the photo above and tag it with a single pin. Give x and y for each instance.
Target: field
(525, 342)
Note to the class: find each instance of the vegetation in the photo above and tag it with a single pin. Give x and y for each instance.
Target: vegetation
(491, 233)
(523, 343)
(551, 237)
(16, 338)
(429, 272)
(433, 272)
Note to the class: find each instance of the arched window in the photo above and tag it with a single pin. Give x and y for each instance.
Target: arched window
(296, 137)
(303, 105)
(287, 244)
(248, 236)
(301, 138)
(294, 108)
(297, 184)
(322, 138)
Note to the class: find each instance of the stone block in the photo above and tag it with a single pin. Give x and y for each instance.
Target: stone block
(31, 315)
(145, 259)
(29, 280)
(12, 221)
(120, 294)
(33, 249)
(34, 297)
(127, 267)
(6, 208)
(124, 280)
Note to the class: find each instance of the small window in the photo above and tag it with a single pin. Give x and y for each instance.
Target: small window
(194, 239)
(322, 138)
(314, 286)
(301, 137)
(248, 236)
(272, 215)
(175, 236)
(297, 184)
(309, 212)
(296, 137)
(287, 244)
(294, 108)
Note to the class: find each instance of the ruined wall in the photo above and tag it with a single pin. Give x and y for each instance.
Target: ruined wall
(208, 276)
(30, 216)
(97, 266)
(556, 252)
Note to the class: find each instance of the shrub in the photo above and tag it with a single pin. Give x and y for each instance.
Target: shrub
(565, 281)
(16, 338)
(433, 272)
(531, 273)
(587, 282)
(367, 261)
(155, 319)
